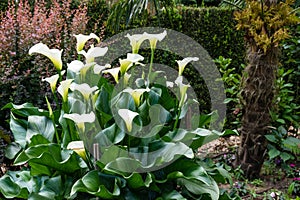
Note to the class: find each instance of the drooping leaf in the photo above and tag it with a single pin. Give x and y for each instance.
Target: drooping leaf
(19, 130)
(25, 110)
(99, 184)
(45, 158)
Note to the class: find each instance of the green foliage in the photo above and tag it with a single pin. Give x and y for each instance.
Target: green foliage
(131, 145)
(282, 145)
(291, 61)
(232, 82)
(286, 111)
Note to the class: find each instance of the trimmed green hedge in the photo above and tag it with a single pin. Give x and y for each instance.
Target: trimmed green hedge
(213, 28)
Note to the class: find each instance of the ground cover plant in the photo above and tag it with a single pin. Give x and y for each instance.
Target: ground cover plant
(88, 144)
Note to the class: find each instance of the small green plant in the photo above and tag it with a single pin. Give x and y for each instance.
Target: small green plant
(232, 81)
(257, 182)
(282, 146)
(286, 111)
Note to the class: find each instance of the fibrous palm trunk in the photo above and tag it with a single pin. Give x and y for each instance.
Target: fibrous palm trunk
(257, 98)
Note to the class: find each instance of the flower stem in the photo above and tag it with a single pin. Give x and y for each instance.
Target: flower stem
(151, 65)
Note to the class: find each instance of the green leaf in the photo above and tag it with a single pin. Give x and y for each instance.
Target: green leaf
(109, 136)
(193, 177)
(285, 156)
(17, 184)
(271, 138)
(40, 125)
(12, 150)
(18, 130)
(47, 157)
(273, 153)
(25, 110)
(98, 184)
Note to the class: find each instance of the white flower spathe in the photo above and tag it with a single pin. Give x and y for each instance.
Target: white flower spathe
(75, 66)
(98, 68)
(184, 62)
(136, 94)
(114, 72)
(131, 59)
(80, 119)
(127, 116)
(52, 81)
(82, 39)
(135, 41)
(84, 89)
(53, 54)
(183, 89)
(63, 89)
(153, 38)
(93, 52)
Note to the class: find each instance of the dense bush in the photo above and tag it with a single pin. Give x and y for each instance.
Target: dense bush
(23, 25)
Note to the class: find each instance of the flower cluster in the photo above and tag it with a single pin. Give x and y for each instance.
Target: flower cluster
(79, 87)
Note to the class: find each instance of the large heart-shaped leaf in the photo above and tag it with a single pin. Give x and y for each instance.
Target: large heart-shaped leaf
(40, 125)
(99, 184)
(45, 158)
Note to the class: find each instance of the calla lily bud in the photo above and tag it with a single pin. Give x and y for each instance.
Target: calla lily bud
(53, 54)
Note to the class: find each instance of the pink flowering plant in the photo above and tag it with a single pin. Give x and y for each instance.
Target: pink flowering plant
(116, 132)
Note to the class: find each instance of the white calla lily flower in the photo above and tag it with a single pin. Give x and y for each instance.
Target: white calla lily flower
(78, 147)
(82, 39)
(98, 68)
(63, 89)
(153, 38)
(80, 119)
(75, 66)
(84, 89)
(183, 89)
(135, 41)
(131, 59)
(184, 62)
(136, 94)
(93, 52)
(127, 116)
(52, 81)
(114, 72)
(53, 54)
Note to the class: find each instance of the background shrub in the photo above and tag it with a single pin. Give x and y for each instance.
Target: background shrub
(22, 26)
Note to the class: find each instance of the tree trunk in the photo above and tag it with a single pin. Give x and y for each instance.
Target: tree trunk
(257, 98)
